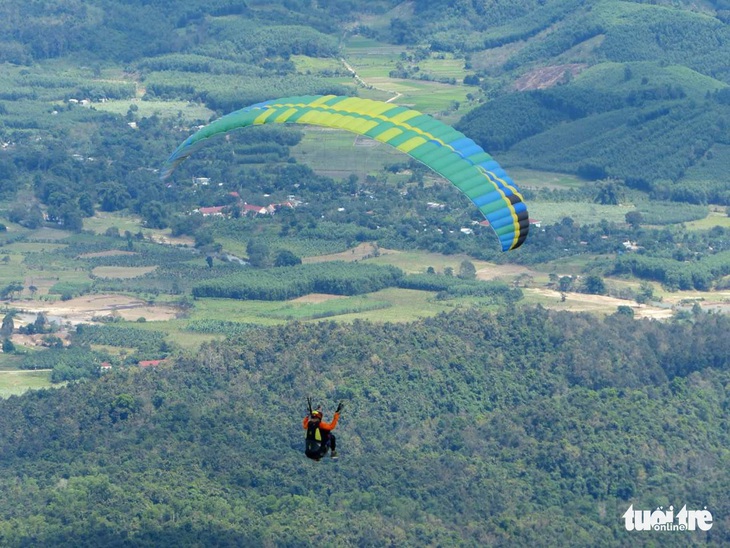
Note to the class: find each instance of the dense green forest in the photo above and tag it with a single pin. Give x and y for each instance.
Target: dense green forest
(521, 427)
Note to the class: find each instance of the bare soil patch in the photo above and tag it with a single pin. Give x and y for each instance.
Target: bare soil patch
(42, 285)
(85, 309)
(547, 77)
(185, 241)
(494, 271)
(582, 302)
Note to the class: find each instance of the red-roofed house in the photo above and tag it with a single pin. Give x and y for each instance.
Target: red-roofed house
(256, 210)
(206, 211)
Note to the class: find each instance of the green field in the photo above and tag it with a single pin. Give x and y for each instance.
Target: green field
(13, 383)
(715, 218)
(580, 212)
(305, 64)
(530, 178)
(99, 223)
(165, 109)
(14, 269)
(386, 305)
(122, 271)
(417, 262)
(32, 247)
(303, 310)
(177, 333)
(46, 233)
(405, 305)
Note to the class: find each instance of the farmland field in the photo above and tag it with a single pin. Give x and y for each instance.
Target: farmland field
(166, 109)
(32, 247)
(122, 272)
(338, 153)
(529, 178)
(373, 62)
(305, 309)
(14, 383)
(102, 221)
(581, 302)
(580, 212)
(715, 218)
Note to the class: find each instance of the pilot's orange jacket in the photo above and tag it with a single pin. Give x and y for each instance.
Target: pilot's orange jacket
(326, 426)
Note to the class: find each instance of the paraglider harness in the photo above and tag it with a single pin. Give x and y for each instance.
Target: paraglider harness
(316, 444)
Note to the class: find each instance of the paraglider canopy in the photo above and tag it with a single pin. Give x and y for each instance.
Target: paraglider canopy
(437, 145)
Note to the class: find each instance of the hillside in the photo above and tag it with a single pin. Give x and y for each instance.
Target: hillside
(636, 92)
(469, 428)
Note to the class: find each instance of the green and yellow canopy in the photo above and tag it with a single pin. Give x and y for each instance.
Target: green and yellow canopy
(435, 144)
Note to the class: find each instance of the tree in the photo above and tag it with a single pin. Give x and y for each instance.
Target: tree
(113, 196)
(286, 258)
(258, 253)
(86, 205)
(403, 31)
(154, 215)
(71, 217)
(645, 293)
(467, 270)
(203, 238)
(209, 260)
(41, 323)
(8, 346)
(10, 290)
(565, 283)
(634, 219)
(609, 192)
(8, 324)
(595, 285)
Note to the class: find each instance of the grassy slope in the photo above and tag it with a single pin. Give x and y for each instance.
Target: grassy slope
(14, 383)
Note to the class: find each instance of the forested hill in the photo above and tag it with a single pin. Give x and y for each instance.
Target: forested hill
(515, 429)
(637, 92)
(115, 31)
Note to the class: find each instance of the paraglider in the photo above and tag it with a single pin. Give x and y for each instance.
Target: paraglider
(437, 145)
(320, 438)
